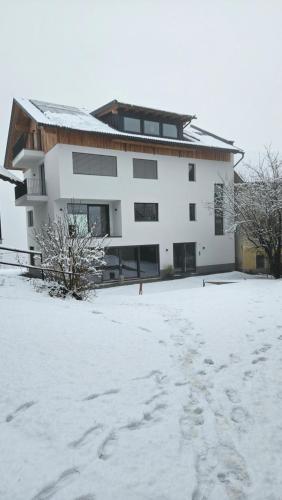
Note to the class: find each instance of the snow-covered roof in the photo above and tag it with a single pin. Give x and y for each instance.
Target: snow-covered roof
(81, 119)
(6, 175)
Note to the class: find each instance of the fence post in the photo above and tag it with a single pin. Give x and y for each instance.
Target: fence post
(140, 288)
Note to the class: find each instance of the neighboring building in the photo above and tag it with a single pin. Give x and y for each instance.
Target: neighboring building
(12, 219)
(143, 176)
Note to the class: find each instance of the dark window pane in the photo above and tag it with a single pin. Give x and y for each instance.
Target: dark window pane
(30, 218)
(146, 211)
(132, 124)
(169, 130)
(129, 262)
(151, 128)
(260, 261)
(191, 171)
(192, 211)
(218, 209)
(111, 270)
(98, 219)
(149, 260)
(145, 169)
(77, 218)
(90, 164)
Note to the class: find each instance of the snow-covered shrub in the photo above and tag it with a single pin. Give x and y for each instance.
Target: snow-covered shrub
(72, 256)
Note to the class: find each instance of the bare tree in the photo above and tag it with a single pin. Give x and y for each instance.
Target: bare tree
(75, 254)
(254, 208)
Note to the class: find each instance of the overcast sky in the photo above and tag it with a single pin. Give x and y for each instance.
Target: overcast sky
(219, 59)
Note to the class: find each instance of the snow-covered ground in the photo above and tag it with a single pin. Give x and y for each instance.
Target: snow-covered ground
(172, 395)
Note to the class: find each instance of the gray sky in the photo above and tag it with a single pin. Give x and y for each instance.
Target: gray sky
(219, 59)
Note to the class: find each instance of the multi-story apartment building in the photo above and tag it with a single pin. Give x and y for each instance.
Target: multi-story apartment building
(143, 176)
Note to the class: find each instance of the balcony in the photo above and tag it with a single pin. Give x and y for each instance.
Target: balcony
(30, 192)
(27, 151)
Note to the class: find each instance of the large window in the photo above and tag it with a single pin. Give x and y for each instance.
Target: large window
(151, 128)
(191, 172)
(170, 130)
(90, 164)
(145, 169)
(132, 124)
(131, 262)
(89, 218)
(192, 211)
(218, 209)
(146, 211)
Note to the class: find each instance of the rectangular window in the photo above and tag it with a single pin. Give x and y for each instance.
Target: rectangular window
(91, 164)
(218, 209)
(98, 219)
(0, 231)
(192, 172)
(192, 211)
(131, 262)
(145, 169)
(149, 260)
(259, 261)
(151, 128)
(89, 217)
(146, 211)
(132, 124)
(170, 130)
(30, 218)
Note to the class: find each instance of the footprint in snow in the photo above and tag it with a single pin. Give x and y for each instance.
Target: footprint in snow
(264, 348)
(52, 488)
(208, 361)
(106, 448)
(232, 395)
(21, 408)
(90, 496)
(239, 415)
(258, 360)
(78, 443)
(99, 395)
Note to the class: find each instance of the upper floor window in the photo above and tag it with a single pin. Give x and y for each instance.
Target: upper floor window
(146, 212)
(132, 124)
(192, 211)
(145, 169)
(170, 130)
(218, 209)
(151, 128)
(192, 172)
(89, 218)
(30, 218)
(91, 164)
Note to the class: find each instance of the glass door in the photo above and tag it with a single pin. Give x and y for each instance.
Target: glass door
(184, 257)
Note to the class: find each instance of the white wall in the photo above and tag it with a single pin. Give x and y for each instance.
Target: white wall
(172, 191)
(13, 221)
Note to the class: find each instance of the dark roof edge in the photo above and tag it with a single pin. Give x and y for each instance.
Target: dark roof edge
(213, 135)
(118, 104)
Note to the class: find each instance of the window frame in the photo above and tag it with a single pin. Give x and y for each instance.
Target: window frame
(93, 154)
(146, 203)
(30, 218)
(88, 205)
(146, 160)
(218, 212)
(194, 172)
(133, 118)
(152, 121)
(194, 210)
(169, 136)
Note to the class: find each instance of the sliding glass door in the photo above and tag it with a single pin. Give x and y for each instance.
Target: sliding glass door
(184, 257)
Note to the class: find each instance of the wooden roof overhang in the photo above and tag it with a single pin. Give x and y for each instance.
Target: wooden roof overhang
(116, 106)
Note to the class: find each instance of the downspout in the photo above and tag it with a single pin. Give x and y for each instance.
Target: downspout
(240, 159)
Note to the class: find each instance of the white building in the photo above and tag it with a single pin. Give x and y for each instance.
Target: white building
(145, 177)
(12, 219)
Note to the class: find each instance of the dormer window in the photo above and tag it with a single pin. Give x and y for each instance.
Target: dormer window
(151, 128)
(132, 124)
(170, 130)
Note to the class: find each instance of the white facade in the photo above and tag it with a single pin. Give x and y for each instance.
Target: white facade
(13, 223)
(171, 190)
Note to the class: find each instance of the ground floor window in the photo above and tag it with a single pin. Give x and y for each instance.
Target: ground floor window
(260, 261)
(131, 262)
(184, 257)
